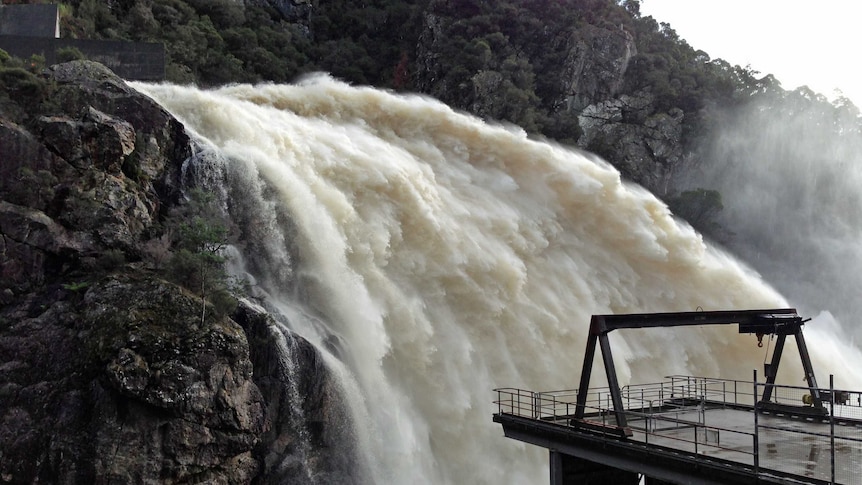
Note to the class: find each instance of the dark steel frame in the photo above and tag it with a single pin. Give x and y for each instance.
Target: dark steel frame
(781, 322)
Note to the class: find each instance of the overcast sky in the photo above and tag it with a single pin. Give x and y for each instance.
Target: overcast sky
(813, 43)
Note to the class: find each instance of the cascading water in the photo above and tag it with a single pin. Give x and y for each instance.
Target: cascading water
(432, 257)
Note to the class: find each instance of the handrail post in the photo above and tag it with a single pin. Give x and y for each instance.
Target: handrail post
(647, 419)
(695, 439)
(756, 437)
(607, 408)
(832, 427)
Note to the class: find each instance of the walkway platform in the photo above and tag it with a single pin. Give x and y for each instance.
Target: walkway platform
(694, 430)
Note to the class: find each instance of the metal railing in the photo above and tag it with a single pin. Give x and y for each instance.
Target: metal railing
(674, 414)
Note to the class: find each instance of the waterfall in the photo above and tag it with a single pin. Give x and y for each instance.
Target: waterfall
(432, 257)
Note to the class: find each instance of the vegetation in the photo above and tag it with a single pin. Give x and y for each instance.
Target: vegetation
(699, 207)
(508, 45)
(195, 257)
(76, 286)
(66, 54)
(501, 60)
(18, 77)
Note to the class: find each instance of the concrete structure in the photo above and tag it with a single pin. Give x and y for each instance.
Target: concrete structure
(30, 20)
(130, 60)
(27, 30)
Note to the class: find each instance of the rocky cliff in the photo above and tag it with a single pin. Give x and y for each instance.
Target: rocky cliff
(583, 92)
(109, 373)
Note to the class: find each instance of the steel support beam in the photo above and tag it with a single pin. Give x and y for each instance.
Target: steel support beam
(772, 371)
(781, 322)
(809, 369)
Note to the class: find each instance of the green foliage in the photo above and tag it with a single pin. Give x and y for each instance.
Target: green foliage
(200, 228)
(363, 42)
(35, 63)
(223, 300)
(698, 207)
(197, 260)
(190, 269)
(66, 54)
(76, 286)
(500, 60)
(89, 19)
(562, 126)
(22, 86)
(224, 13)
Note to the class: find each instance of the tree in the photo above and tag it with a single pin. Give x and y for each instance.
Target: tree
(633, 7)
(199, 238)
(698, 207)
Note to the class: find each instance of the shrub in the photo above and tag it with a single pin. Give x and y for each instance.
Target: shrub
(700, 207)
(158, 250)
(67, 54)
(111, 260)
(21, 83)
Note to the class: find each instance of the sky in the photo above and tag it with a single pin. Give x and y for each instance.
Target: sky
(801, 42)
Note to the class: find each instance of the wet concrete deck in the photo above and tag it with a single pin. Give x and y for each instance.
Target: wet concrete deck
(698, 430)
(799, 446)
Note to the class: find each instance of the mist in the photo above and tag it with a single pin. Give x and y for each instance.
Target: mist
(789, 170)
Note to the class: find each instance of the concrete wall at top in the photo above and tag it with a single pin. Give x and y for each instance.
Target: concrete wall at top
(30, 20)
(130, 60)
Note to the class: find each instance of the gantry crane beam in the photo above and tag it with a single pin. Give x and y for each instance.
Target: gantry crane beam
(781, 322)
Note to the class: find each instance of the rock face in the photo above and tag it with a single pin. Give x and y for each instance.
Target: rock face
(646, 145)
(595, 65)
(108, 372)
(86, 177)
(309, 438)
(627, 129)
(120, 382)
